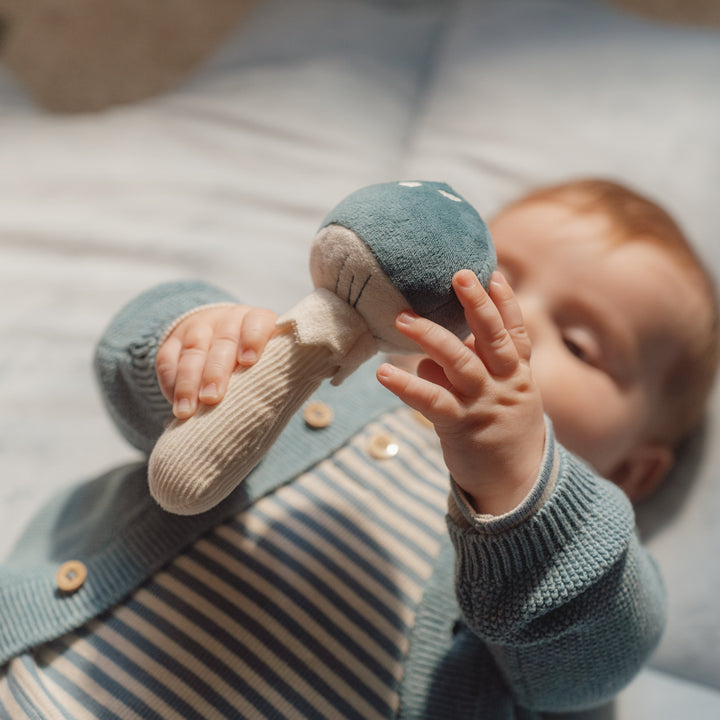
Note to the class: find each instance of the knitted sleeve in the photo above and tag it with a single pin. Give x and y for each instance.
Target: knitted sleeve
(565, 597)
(125, 357)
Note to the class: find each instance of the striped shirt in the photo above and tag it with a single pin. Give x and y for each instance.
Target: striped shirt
(299, 607)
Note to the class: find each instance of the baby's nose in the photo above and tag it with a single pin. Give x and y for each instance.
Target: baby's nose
(534, 313)
(531, 307)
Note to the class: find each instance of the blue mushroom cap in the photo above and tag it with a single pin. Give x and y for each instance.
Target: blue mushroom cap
(421, 234)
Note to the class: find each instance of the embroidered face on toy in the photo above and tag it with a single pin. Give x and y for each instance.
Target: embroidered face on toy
(396, 245)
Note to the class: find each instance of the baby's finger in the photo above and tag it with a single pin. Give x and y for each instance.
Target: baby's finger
(493, 342)
(257, 328)
(504, 298)
(166, 363)
(193, 355)
(222, 356)
(462, 367)
(429, 370)
(433, 401)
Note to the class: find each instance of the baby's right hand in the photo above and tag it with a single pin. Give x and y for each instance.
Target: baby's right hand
(479, 394)
(195, 362)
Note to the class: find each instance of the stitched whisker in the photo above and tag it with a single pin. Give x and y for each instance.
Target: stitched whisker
(339, 274)
(362, 290)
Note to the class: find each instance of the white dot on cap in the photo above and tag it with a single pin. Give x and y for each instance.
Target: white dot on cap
(450, 196)
(410, 184)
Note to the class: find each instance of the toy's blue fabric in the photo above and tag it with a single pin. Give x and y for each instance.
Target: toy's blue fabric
(419, 232)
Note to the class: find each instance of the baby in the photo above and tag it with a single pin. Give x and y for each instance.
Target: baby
(601, 317)
(332, 584)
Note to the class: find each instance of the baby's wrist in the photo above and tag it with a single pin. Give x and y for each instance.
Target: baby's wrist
(498, 482)
(488, 512)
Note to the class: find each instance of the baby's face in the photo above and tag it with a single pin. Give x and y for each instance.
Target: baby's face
(605, 318)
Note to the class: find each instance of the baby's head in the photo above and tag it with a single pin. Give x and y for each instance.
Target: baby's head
(623, 321)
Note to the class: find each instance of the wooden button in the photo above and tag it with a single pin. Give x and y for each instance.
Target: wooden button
(383, 446)
(70, 576)
(317, 414)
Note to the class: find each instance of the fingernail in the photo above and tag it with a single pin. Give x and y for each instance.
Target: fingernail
(384, 371)
(405, 318)
(248, 357)
(498, 281)
(182, 407)
(465, 278)
(209, 392)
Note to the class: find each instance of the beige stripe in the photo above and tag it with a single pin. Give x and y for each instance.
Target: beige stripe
(292, 646)
(221, 653)
(384, 539)
(421, 469)
(69, 704)
(29, 687)
(193, 663)
(426, 454)
(310, 592)
(85, 683)
(52, 690)
(405, 491)
(401, 525)
(153, 667)
(250, 640)
(102, 662)
(406, 480)
(384, 564)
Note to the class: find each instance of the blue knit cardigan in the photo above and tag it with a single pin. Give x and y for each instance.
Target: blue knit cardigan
(554, 606)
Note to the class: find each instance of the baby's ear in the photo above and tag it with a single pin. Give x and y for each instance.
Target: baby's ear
(643, 470)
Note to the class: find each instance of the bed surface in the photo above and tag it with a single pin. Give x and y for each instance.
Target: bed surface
(228, 176)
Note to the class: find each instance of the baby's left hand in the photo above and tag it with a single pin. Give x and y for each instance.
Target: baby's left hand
(196, 360)
(479, 395)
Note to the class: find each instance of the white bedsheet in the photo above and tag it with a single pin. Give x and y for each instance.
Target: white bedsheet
(228, 177)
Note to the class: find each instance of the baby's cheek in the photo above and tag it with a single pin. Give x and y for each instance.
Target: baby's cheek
(590, 416)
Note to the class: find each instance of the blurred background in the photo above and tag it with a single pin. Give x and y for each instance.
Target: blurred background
(143, 141)
(89, 54)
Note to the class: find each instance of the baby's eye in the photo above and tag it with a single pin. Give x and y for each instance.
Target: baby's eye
(581, 343)
(576, 350)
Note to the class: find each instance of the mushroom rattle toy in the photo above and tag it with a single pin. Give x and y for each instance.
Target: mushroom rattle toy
(383, 249)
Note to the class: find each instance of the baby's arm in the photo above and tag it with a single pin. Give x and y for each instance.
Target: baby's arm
(560, 591)
(479, 395)
(557, 586)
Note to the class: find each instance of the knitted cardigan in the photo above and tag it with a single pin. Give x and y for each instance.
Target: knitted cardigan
(554, 606)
